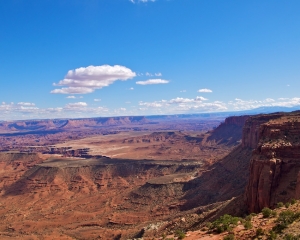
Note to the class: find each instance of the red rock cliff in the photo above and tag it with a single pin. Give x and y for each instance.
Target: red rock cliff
(275, 163)
(252, 127)
(230, 131)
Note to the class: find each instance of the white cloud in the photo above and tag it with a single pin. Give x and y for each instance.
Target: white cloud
(26, 104)
(27, 110)
(73, 90)
(21, 107)
(11, 111)
(187, 100)
(183, 91)
(269, 100)
(131, 88)
(86, 80)
(159, 74)
(205, 90)
(76, 105)
(74, 97)
(182, 105)
(239, 104)
(97, 100)
(152, 81)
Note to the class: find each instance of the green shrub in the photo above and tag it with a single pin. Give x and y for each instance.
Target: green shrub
(280, 204)
(285, 218)
(208, 225)
(288, 217)
(248, 225)
(180, 234)
(259, 232)
(293, 201)
(229, 237)
(291, 237)
(248, 218)
(224, 223)
(272, 235)
(287, 204)
(267, 212)
(279, 228)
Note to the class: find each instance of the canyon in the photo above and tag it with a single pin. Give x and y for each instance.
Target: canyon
(135, 177)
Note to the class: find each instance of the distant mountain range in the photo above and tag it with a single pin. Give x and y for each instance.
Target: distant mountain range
(260, 110)
(51, 124)
(271, 110)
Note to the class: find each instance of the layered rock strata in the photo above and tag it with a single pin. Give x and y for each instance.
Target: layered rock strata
(230, 131)
(275, 163)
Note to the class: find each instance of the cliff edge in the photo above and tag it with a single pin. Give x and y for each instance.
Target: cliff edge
(275, 162)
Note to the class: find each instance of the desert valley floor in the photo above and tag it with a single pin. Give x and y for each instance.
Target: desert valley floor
(133, 177)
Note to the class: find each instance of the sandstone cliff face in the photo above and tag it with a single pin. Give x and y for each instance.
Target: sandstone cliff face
(230, 131)
(251, 130)
(275, 164)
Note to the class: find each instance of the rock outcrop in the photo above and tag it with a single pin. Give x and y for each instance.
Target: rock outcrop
(230, 131)
(251, 129)
(97, 174)
(275, 163)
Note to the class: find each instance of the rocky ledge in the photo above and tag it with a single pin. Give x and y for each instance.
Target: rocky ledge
(275, 163)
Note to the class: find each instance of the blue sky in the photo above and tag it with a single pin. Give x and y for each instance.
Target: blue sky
(75, 58)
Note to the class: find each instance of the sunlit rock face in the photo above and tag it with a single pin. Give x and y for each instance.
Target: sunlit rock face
(275, 162)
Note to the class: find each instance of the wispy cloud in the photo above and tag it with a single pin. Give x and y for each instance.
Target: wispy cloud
(152, 81)
(21, 107)
(159, 74)
(25, 104)
(97, 100)
(86, 79)
(239, 104)
(74, 97)
(183, 105)
(204, 90)
(28, 110)
(76, 105)
(12, 111)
